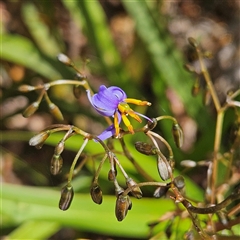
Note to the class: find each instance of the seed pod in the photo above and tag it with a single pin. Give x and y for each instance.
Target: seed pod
(163, 169)
(59, 148)
(145, 148)
(136, 191)
(39, 139)
(188, 163)
(196, 88)
(160, 191)
(56, 164)
(189, 68)
(67, 194)
(123, 204)
(55, 111)
(152, 125)
(26, 88)
(193, 42)
(31, 109)
(77, 91)
(179, 182)
(207, 97)
(112, 175)
(96, 193)
(64, 59)
(177, 134)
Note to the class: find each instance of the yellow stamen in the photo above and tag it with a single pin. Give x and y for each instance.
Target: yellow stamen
(135, 116)
(127, 123)
(123, 107)
(116, 125)
(137, 102)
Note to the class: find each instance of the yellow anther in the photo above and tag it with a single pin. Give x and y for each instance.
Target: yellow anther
(123, 107)
(137, 102)
(135, 116)
(116, 124)
(127, 123)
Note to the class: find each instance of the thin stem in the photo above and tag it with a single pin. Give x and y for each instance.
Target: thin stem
(99, 168)
(75, 161)
(132, 160)
(214, 165)
(167, 117)
(208, 80)
(163, 140)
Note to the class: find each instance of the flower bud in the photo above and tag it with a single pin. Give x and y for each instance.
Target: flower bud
(207, 97)
(39, 139)
(189, 68)
(179, 182)
(64, 59)
(67, 194)
(59, 148)
(112, 175)
(136, 191)
(160, 191)
(163, 169)
(177, 134)
(123, 204)
(55, 111)
(77, 91)
(31, 109)
(26, 88)
(193, 42)
(153, 124)
(96, 193)
(188, 163)
(196, 88)
(145, 148)
(56, 164)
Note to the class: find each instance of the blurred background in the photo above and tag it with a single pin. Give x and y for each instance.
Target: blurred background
(140, 46)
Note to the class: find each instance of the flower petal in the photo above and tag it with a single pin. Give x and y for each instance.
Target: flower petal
(107, 133)
(107, 99)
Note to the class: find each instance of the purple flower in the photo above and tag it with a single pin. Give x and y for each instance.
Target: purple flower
(113, 102)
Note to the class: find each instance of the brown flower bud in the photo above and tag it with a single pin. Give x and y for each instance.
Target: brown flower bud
(26, 88)
(189, 67)
(59, 148)
(39, 139)
(67, 194)
(55, 111)
(177, 134)
(136, 191)
(96, 193)
(112, 175)
(196, 87)
(207, 97)
(77, 91)
(123, 204)
(188, 163)
(31, 109)
(64, 59)
(145, 148)
(179, 182)
(153, 124)
(160, 191)
(56, 164)
(193, 42)
(163, 169)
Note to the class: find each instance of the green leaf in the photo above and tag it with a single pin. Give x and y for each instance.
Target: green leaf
(20, 204)
(20, 50)
(166, 58)
(34, 230)
(39, 30)
(90, 16)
